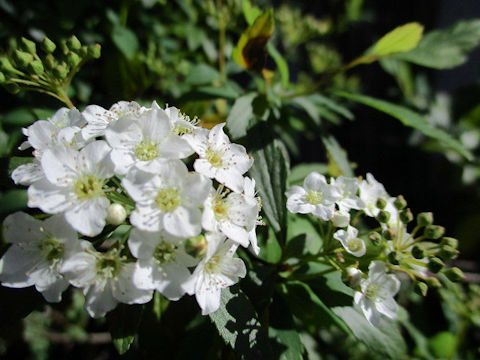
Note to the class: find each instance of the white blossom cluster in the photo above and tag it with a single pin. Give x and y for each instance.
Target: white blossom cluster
(333, 201)
(90, 166)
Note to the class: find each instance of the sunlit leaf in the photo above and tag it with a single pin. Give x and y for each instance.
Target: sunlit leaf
(240, 115)
(123, 323)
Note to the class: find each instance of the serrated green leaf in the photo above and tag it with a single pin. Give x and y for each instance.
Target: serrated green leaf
(125, 40)
(385, 339)
(123, 323)
(445, 48)
(411, 119)
(309, 107)
(240, 115)
(401, 39)
(337, 157)
(201, 74)
(239, 327)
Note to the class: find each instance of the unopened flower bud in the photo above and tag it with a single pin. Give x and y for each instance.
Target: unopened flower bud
(29, 46)
(116, 214)
(383, 216)
(83, 52)
(12, 88)
(381, 203)
(341, 219)
(23, 58)
(400, 202)
(196, 246)
(3, 79)
(421, 288)
(449, 241)
(389, 234)
(351, 277)
(434, 232)
(6, 65)
(375, 238)
(454, 274)
(35, 67)
(61, 71)
(425, 219)
(406, 216)
(73, 43)
(73, 59)
(435, 265)
(447, 253)
(433, 282)
(94, 51)
(393, 258)
(48, 45)
(49, 62)
(418, 252)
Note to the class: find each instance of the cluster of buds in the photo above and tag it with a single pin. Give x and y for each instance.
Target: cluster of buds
(49, 71)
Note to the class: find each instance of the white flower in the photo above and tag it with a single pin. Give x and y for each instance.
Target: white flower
(218, 158)
(218, 270)
(162, 262)
(145, 142)
(73, 184)
(37, 253)
(350, 241)
(315, 197)
(180, 123)
(370, 191)
(99, 119)
(106, 279)
(341, 218)
(169, 200)
(348, 188)
(377, 294)
(234, 214)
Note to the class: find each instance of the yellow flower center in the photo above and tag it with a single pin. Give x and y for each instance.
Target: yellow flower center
(213, 265)
(354, 244)
(214, 157)
(313, 197)
(168, 199)
(88, 186)
(164, 252)
(146, 150)
(220, 207)
(51, 249)
(108, 265)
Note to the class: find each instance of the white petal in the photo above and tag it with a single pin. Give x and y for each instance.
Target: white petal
(50, 198)
(388, 307)
(235, 233)
(125, 291)
(93, 159)
(59, 165)
(27, 174)
(314, 181)
(88, 217)
(183, 222)
(53, 293)
(99, 300)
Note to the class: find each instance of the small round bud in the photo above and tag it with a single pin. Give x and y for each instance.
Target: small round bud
(73, 43)
(434, 232)
(400, 202)
(35, 67)
(449, 241)
(425, 219)
(23, 58)
(393, 258)
(418, 252)
(72, 59)
(12, 88)
(94, 51)
(389, 234)
(375, 238)
(61, 71)
(29, 46)
(406, 216)
(341, 219)
(381, 203)
(116, 214)
(433, 282)
(383, 216)
(435, 265)
(83, 52)
(196, 246)
(351, 277)
(421, 288)
(49, 62)
(454, 274)
(48, 45)
(447, 253)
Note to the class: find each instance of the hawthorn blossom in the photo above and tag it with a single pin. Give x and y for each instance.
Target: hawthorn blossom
(162, 262)
(168, 200)
(218, 270)
(351, 243)
(316, 197)
(370, 191)
(377, 292)
(105, 279)
(73, 184)
(218, 158)
(38, 250)
(348, 189)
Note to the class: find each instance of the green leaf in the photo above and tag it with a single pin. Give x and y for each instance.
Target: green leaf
(401, 39)
(13, 200)
(285, 340)
(299, 172)
(281, 63)
(445, 48)
(19, 117)
(202, 74)
(308, 307)
(125, 40)
(330, 104)
(250, 11)
(239, 327)
(411, 119)
(297, 226)
(206, 92)
(240, 115)
(339, 164)
(443, 345)
(385, 339)
(270, 171)
(123, 323)
(309, 107)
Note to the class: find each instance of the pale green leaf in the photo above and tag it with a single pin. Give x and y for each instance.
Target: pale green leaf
(299, 172)
(240, 115)
(337, 157)
(401, 39)
(281, 63)
(250, 11)
(201, 74)
(125, 40)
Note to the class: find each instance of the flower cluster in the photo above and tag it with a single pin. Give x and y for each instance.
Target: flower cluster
(340, 204)
(94, 168)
